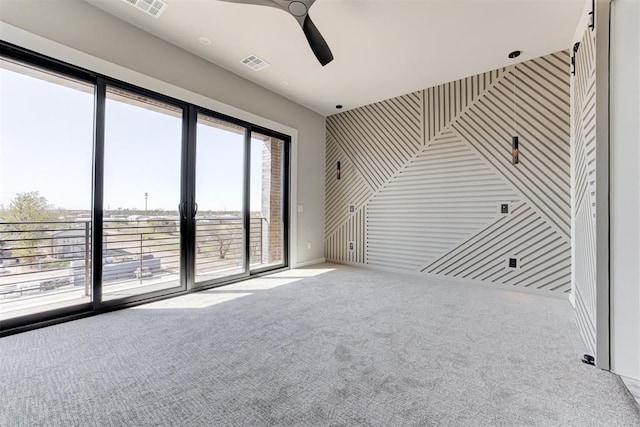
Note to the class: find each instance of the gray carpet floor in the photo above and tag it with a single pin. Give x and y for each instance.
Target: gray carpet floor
(326, 345)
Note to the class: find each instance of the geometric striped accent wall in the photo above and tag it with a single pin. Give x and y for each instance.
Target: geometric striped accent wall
(423, 177)
(584, 182)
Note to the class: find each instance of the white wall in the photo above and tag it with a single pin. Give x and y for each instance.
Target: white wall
(78, 33)
(625, 188)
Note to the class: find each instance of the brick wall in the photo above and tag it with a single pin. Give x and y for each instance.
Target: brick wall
(272, 187)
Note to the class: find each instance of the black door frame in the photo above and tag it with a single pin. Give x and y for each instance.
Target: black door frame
(249, 129)
(187, 195)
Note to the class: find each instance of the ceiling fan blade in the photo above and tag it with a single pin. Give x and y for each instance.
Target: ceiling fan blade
(299, 9)
(318, 45)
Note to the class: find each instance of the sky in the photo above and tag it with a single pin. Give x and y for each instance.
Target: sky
(46, 139)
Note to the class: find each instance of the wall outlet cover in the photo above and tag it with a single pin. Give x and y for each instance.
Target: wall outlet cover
(504, 208)
(512, 263)
(352, 208)
(352, 246)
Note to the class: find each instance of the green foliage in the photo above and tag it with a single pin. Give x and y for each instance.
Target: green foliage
(56, 265)
(23, 214)
(29, 207)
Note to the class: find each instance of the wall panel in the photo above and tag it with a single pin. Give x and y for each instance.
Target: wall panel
(428, 171)
(446, 193)
(584, 182)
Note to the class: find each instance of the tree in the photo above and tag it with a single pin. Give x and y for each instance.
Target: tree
(29, 207)
(214, 241)
(25, 212)
(224, 244)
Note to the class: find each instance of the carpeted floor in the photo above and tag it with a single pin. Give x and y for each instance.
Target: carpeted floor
(326, 345)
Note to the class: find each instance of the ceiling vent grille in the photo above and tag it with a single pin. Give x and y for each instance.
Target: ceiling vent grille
(255, 63)
(150, 7)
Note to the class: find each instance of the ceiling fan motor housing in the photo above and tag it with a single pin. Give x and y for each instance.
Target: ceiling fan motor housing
(299, 9)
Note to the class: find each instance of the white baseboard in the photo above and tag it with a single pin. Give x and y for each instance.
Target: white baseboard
(633, 385)
(520, 290)
(313, 261)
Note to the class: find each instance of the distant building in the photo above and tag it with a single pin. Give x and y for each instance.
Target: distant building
(69, 244)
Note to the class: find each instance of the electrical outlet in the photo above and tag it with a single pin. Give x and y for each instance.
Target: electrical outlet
(352, 246)
(512, 263)
(503, 208)
(352, 208)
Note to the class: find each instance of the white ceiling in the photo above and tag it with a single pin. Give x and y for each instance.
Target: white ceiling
(382, 48)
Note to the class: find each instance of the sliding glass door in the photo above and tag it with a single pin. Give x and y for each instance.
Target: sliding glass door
(142, 190)
(111, 194)
(46, 146)
(220, 194)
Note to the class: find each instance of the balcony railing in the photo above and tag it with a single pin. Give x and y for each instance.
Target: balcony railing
(40, 259)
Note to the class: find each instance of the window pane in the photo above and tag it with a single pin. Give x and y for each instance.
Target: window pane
(267, 214)
(46, 143)
(141, 242)
(219, 192)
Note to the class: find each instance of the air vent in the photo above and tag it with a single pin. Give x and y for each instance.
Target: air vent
(150, 7)
(255, 63)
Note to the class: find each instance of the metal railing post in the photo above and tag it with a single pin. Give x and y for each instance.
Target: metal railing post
(87, 259)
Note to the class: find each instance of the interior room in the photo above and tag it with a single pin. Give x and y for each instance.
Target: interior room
(320, 212)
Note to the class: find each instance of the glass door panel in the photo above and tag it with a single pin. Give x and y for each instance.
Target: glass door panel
(142, 183)
(219, 220)
(46, 148)
(267, 227)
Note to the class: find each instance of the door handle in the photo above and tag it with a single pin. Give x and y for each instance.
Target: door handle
(181, 209)
(195, 208)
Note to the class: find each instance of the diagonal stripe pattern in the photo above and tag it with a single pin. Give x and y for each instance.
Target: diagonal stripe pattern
(379, 138)
(432, 167)
(445, 102)
(350, 189)
(584, 182)
(347, 242)
(446, 194)
(544, 257)
(540, 118)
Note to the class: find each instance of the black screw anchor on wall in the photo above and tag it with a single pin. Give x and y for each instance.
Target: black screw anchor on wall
(588, 359)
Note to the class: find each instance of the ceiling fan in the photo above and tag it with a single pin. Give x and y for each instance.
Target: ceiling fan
(299, 9)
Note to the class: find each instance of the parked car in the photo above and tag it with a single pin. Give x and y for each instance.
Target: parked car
(63, 281)
(47, 285)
